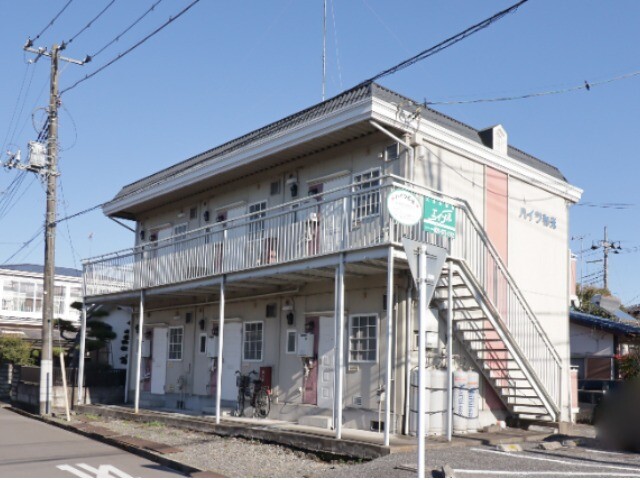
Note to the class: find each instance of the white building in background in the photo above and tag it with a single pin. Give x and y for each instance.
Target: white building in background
(294, 229)
(21, 298)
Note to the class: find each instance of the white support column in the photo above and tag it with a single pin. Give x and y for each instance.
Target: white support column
(136, 405)
(339, 350)
(387, 386)
(422, 360)
(220, 347)
(81, 353)
(407, 358)
(450, 353)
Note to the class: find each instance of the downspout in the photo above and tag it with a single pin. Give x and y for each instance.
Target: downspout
(410, 173)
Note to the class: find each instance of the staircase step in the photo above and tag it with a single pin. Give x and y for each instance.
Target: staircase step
(462, 330)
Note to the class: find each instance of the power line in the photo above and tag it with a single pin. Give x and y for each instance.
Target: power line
(130, 49)
(117, 37)
(64, 219)
(25, 244)
(52, 20)
(446, 43)
(583, 86)
(88, 25)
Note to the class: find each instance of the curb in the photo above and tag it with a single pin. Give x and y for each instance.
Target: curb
(187, 469)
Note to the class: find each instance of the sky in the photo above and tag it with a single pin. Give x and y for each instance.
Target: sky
(227, 67)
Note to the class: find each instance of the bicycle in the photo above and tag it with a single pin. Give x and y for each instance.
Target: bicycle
(259, 395)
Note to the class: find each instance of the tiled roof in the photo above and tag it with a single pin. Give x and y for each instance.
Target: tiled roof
(31, 268)
(605, 324)
(350, 97)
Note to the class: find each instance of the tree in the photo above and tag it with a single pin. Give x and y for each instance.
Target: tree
(585, 294)
(15, 350)
(629, 365)
(99, 333)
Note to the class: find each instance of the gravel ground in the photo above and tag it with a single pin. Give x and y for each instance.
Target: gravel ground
(229, 456)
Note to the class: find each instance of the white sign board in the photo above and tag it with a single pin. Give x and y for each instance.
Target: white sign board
(404, 207)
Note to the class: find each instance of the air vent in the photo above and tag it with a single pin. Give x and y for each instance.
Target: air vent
(376, 426)
(357, 400)
(193, 213)
(392, 152)
(271, 310)
(275, 187)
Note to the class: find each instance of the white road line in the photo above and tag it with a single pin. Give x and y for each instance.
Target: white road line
(555, 460)
(537, 473)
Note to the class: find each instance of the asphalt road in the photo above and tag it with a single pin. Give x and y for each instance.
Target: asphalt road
(29, 448)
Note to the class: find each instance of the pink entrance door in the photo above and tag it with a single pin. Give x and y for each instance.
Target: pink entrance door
(310, 392)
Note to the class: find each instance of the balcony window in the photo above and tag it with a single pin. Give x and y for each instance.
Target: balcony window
(363, 338)
(366, 199)
(256, 225)
(252, 343)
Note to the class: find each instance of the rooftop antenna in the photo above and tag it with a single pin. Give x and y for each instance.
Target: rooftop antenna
(324, 48)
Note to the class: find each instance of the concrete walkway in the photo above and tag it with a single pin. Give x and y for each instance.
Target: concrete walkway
(355, 443)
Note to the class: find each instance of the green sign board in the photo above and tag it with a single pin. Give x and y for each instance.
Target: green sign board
(439, 217)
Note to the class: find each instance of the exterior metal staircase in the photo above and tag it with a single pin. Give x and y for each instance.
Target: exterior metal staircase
(487, 339)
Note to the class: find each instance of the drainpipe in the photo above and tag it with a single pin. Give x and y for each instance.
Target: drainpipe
(390, 304)
(220, 345)
(339, 350)
(139, 352)
(407, 358)
(450, 353)
(409, 175)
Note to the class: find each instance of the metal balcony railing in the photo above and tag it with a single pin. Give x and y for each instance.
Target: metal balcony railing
(345, 219)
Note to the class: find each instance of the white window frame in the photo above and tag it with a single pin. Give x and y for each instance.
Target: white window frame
(295, 341)
(200, 351)
(244, 340)
(169, 343)
(367, 196)
(377, 337)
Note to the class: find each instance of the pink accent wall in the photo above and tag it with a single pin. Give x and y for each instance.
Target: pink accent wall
(497, 210)
(497, 228)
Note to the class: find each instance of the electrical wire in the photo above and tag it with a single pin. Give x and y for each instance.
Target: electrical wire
(69, 237)
(446, 43)
(52, 21)
(615, 206)
(25, 244)
(117, 37)
(77, 214)
(88, 25)
(130, 49)
(335, 40)
(584, 86)
(15, 109)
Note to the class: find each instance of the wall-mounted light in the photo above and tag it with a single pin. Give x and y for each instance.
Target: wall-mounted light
(290, 318)
(206, 215)
(201, 322)
(292, 181)
(142, 234)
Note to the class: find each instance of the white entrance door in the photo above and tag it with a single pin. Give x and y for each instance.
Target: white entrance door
(326, 362)
(159, 360)
(231, 358)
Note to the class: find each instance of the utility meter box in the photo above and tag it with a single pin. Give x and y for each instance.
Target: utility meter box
(212, 347)
(145, 351)
(305, 344)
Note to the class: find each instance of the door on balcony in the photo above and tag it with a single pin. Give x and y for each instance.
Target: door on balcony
(233, 257)
(159, 256)
(159, 360)
(332, 212)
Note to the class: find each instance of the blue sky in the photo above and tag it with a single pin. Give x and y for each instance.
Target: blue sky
(230, 66)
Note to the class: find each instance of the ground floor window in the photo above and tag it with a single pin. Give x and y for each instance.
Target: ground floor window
(175, 343)
(363, 338)
(252, 341)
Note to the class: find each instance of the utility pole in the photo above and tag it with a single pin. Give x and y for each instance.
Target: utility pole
(49, 169)
(606, 246)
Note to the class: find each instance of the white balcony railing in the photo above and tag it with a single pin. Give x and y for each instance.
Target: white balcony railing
(350, 218)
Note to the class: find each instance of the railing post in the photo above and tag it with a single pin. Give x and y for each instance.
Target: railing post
(339, 347)
(390, 305)
(220, 351)
(139, 352)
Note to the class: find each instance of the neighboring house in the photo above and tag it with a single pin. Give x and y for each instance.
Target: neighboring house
(279, 218)
(596, 341)
(21, 299)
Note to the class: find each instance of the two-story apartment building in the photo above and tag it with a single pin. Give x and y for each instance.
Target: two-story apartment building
(277, 251)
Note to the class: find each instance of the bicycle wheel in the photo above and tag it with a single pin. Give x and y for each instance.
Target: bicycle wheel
(240, 403)
(263, 404)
